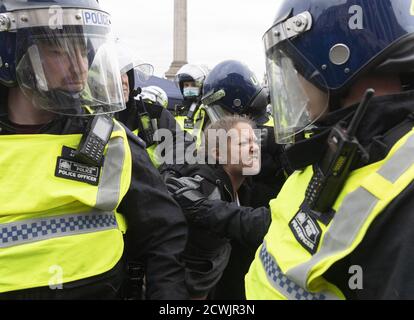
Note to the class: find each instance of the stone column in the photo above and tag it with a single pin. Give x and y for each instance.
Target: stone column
(180, 38)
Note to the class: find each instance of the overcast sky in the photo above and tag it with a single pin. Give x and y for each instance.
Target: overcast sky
(217, 30)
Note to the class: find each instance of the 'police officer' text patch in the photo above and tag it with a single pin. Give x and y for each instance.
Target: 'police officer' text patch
(67, 168)
(306, 231)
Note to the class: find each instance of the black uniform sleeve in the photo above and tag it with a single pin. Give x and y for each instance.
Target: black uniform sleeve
(246, 225)
(157, 229)
(167, 121)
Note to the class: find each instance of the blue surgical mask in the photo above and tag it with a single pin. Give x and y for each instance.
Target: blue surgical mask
(191, 92)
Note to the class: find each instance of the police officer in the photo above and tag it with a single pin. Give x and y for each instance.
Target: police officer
(190, 115)
(76, 186)
(146, 109)
(232, 88)
(350, 201)
(133, 70)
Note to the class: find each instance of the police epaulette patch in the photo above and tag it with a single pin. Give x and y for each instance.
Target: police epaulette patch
(68, 168)
(306, 231)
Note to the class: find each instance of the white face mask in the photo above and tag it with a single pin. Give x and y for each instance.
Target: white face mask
(191, 92)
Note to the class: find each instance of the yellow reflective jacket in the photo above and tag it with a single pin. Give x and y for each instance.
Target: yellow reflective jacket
(284, 267)
(51, 217)
(198, 124)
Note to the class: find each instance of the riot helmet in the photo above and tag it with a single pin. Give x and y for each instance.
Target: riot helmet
(317, 49)
(233, 87)
(189, 79)
(154, 95)
(134, 67)
(61, 55)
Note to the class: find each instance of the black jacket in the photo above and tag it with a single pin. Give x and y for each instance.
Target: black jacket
(156, 233)
(206, 255)
(157, 229)
(385, 252)
(214, 228)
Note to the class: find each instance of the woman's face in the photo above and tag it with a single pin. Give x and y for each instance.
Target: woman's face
(243, 152)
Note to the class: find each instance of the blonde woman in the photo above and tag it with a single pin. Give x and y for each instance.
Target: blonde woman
(215, 266)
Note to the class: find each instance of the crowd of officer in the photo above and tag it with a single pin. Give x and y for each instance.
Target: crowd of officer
(91, 209)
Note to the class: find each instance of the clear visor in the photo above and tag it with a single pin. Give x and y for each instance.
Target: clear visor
(143, 71)
(297, 95)
(215, 113)
(69, 71)
(129, 60)
(197, 73)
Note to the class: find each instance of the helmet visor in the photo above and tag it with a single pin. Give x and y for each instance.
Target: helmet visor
(143, 71)
(72, 70)
(128, 60)
(297, 92)
(191, 73)
(216, 112)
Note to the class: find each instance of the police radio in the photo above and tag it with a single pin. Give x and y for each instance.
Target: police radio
(330, 175)
(146, 125)
(96, 137)
(189, 119)
(192, 111)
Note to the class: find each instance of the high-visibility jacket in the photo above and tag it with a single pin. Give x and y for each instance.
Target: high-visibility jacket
(151, 152)
(198, 124)
(270, 123)
(298, 249)
(53, 222)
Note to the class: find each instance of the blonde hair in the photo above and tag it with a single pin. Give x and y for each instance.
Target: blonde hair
(225, 124)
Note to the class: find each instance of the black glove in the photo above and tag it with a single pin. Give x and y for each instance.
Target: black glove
(167, 174)
(186, 191)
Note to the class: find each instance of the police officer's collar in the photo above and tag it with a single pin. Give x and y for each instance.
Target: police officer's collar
(60, 125)
(384, 114)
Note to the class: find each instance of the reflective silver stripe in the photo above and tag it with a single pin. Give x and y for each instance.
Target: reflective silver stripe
(27, 231)
(354, 211)
(110, 181)
(352, 214)
(401, 161)
(283, 284)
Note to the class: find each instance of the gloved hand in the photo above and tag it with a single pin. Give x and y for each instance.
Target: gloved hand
(167, 174)
(186, 191)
